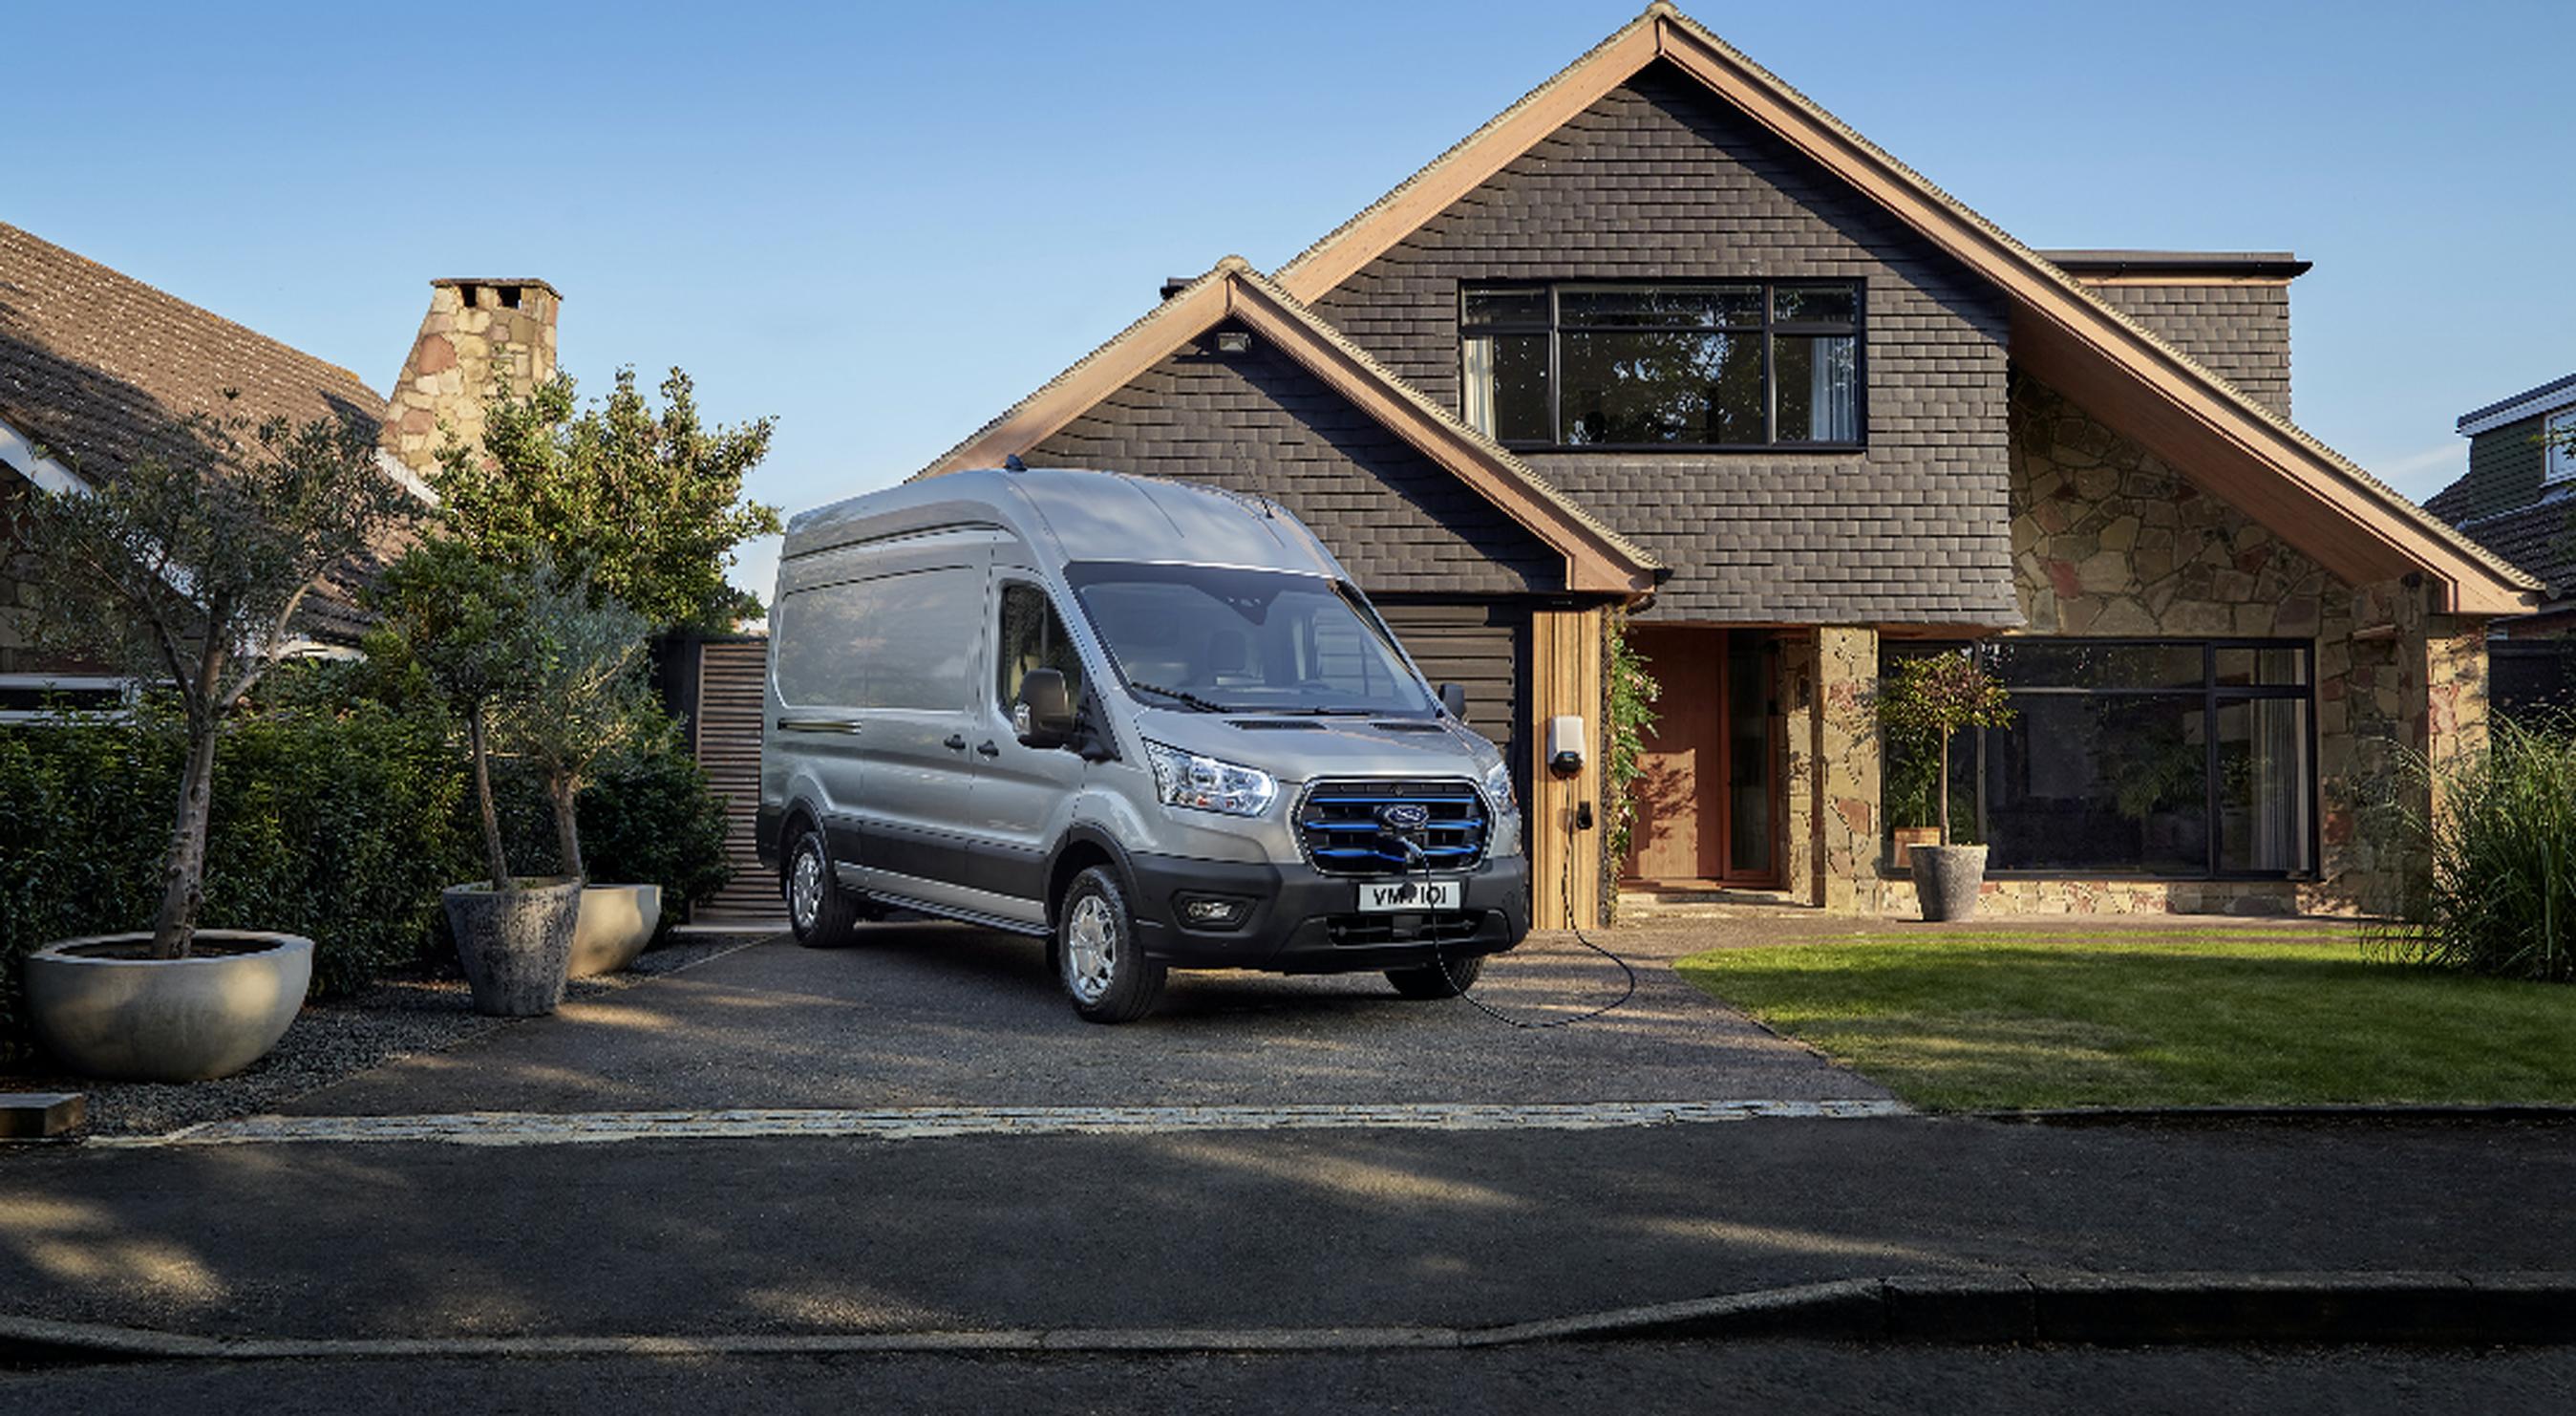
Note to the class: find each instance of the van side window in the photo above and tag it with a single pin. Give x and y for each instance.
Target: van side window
(899, 641)
(1032, 638)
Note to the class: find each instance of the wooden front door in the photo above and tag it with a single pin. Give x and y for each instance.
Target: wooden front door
(1708, 801)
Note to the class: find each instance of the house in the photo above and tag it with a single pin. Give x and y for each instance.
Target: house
(2518, 499)
(1665, 344)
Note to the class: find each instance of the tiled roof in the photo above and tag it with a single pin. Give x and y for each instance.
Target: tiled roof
(2545, 395)
(2540, 538)
(96, 365)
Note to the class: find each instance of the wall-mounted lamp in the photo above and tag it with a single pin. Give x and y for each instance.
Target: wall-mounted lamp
(1234, 341)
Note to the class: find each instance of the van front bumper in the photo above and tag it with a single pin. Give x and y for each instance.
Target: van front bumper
(1301, 920)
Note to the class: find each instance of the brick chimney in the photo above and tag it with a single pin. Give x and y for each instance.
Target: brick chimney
(477, 333)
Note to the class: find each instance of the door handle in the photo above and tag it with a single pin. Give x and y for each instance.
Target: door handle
(956, 742)
(818, 725)
(989, 750)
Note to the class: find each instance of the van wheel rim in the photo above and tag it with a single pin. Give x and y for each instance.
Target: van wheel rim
(1090, 950)
(805, 890)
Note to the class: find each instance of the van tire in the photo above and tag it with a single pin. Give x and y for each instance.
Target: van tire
(1105, 974)
(1448, 979)
(832, 912)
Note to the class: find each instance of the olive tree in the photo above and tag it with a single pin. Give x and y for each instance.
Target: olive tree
(191, 568)
(586, 699)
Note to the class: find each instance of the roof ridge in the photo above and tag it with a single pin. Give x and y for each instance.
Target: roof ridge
(187, 304)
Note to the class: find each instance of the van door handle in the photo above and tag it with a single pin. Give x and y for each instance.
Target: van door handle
(818, 725)
(989, 750)
(956, 742)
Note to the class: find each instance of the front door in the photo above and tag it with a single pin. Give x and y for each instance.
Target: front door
(1708, 801)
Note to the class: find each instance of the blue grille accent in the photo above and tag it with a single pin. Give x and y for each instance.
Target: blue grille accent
(1342, 834)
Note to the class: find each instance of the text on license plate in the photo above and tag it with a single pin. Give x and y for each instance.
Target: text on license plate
(1397, 895)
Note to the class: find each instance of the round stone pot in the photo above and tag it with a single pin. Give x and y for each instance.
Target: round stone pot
(1947, 878)
(516, 945)
(616, 922)
(107, 1010)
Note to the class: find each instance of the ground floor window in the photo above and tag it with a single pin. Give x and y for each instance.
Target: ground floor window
(2172, 758)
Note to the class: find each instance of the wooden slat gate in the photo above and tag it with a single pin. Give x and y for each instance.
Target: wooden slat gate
(724, 733)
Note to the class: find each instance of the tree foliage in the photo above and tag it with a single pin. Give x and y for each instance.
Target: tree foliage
(190, 567)
(587, 699)
(1632, 691)
(646, 505)
(1931, 697)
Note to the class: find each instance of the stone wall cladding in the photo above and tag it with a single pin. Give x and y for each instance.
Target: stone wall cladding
(1659, 180)
(2241, 332)
(469, 343)
(1257, 422)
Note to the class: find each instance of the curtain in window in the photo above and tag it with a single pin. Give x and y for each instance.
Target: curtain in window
(1833, 404)
(2279, 769)
(1478, 403)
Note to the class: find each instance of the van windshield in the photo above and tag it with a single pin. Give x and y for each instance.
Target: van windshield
(1246, 641)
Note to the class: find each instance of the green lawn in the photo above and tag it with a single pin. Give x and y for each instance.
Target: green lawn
(1963, 1021)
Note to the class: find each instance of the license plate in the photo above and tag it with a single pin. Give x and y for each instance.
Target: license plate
(1396, 896)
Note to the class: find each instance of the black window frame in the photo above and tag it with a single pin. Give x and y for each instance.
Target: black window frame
(1771, 328)
(2213, 695)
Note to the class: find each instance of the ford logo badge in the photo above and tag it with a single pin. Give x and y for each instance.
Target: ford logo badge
(1404, 816)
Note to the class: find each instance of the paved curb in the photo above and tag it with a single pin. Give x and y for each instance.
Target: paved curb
(2326, 1111)
(2485, 1310)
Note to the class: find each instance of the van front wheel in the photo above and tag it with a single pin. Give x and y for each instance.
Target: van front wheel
(1108, 978)
(819, 911)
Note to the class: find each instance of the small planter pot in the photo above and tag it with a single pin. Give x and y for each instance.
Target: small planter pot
(109, 1011)
(516, 945)
(616, 922)
(1947, 880)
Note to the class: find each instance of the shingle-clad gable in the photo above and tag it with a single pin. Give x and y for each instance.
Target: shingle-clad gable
(2240, 332)
(1657, 180)
(1256, 422)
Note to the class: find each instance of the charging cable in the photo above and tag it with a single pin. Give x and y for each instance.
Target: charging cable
(1438, 956)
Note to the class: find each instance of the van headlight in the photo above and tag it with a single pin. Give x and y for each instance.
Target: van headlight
(1208, 783)
(1498, 789)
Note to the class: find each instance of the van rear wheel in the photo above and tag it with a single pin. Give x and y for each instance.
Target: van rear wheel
(1446, 979)
(1108, 978)
(819, 911)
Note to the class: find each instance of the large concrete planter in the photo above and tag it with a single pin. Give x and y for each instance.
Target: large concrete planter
(616, 922)
(1947, 880)
(107, 1011)
(516, 945)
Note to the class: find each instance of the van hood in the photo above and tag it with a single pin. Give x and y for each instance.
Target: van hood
(1296, 749)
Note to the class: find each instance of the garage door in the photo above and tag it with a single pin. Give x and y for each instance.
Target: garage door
(1486, 649)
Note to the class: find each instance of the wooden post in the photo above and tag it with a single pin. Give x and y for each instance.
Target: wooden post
(1565, 668)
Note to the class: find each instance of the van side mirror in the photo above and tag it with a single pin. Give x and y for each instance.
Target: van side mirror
(1043, 716)
(1453, 696)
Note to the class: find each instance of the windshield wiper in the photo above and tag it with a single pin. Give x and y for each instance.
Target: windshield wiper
(1191, 699)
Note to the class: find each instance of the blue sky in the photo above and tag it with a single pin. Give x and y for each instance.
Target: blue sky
(883, 224)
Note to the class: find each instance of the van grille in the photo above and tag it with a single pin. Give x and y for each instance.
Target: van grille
(1343, 828)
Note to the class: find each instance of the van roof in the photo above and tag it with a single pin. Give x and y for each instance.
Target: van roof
(1080, 516)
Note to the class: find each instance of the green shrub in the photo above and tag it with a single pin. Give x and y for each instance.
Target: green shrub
(648, 817)
(334, 822)
(2500, 897)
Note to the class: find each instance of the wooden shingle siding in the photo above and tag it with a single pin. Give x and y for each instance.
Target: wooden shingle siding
(1482, 648)
(725, 734)
(1660, 181)
(1256, 422)
(2506, 466)
(2239, 332)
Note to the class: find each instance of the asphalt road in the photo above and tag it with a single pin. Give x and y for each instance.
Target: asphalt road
(1776, 1379)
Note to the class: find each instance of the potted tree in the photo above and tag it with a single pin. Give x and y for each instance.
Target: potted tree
(190, 569)
(1925, 703)
(586, 702)
(467, 621)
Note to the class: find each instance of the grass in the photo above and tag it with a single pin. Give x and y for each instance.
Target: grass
(1968, 1021)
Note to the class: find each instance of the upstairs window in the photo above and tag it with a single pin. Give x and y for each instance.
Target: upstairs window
(2559, 455)
(1736, 365)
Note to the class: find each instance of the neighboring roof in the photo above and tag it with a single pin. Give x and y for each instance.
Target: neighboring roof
(2540, 538)
(2095, 265)
(2313, 497)
(1597, 557)
(2531, 402)
(96, 365)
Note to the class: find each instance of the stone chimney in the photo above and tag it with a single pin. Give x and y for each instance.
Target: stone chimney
(477, 335)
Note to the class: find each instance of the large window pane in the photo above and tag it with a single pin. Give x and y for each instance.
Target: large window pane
(1505, 305)
(1505, 384)
(1662, 388)
(1819, 379)
(2262, 668)
(904, 641)
(1032, 638)
(2101, 664)
(1709, 306)
(1814, 304)
(2117, 785)
(2263, 785)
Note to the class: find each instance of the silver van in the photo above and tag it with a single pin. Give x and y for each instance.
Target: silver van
(1152, 722)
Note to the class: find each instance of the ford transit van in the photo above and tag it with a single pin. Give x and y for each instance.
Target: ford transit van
(1152, 722)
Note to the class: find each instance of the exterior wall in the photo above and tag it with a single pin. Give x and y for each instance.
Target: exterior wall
(468, 343)
(2505, 468)
(2240, 331)
(1660, 180)
(2108, 540)
(1258, 423)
